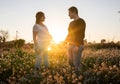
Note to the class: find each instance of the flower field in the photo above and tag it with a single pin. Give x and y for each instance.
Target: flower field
(100, 66)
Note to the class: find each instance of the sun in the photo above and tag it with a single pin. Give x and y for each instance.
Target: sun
(49, 48)
(58, 35)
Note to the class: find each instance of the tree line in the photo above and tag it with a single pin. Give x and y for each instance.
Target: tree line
(3, 35)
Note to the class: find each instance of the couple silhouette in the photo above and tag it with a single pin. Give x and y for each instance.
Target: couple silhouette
(75, 37)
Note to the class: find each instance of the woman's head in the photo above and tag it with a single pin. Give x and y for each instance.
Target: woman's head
(40, 17)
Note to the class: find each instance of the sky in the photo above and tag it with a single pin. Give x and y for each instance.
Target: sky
(102, 18)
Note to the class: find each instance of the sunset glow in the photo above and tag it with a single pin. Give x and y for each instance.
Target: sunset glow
(49, 48)
(102, 20)
(58, 35)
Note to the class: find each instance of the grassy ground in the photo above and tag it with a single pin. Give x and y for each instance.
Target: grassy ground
(99, 66)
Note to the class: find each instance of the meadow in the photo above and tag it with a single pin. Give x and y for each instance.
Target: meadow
(98, 66)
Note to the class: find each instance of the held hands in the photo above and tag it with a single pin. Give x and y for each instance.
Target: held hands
(65, 43)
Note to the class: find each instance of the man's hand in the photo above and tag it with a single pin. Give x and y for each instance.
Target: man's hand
(65, 43)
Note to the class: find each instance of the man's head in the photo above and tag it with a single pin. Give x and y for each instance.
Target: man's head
(73, 11)
(40, 17)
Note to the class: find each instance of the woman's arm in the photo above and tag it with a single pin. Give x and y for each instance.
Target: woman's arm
(34, 36)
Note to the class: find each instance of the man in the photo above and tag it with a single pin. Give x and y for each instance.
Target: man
(75, 38)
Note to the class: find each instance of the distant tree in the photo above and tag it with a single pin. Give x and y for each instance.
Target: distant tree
(4, 34)
(118, 42)
(0, 39)
(103, 41)
(19, 43)
(3, 39)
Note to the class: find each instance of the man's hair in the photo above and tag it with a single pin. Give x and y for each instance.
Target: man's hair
(73, 9)
(38, 16)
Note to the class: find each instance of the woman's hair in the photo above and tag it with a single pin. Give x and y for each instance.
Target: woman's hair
(73, 9)
(38, 16)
